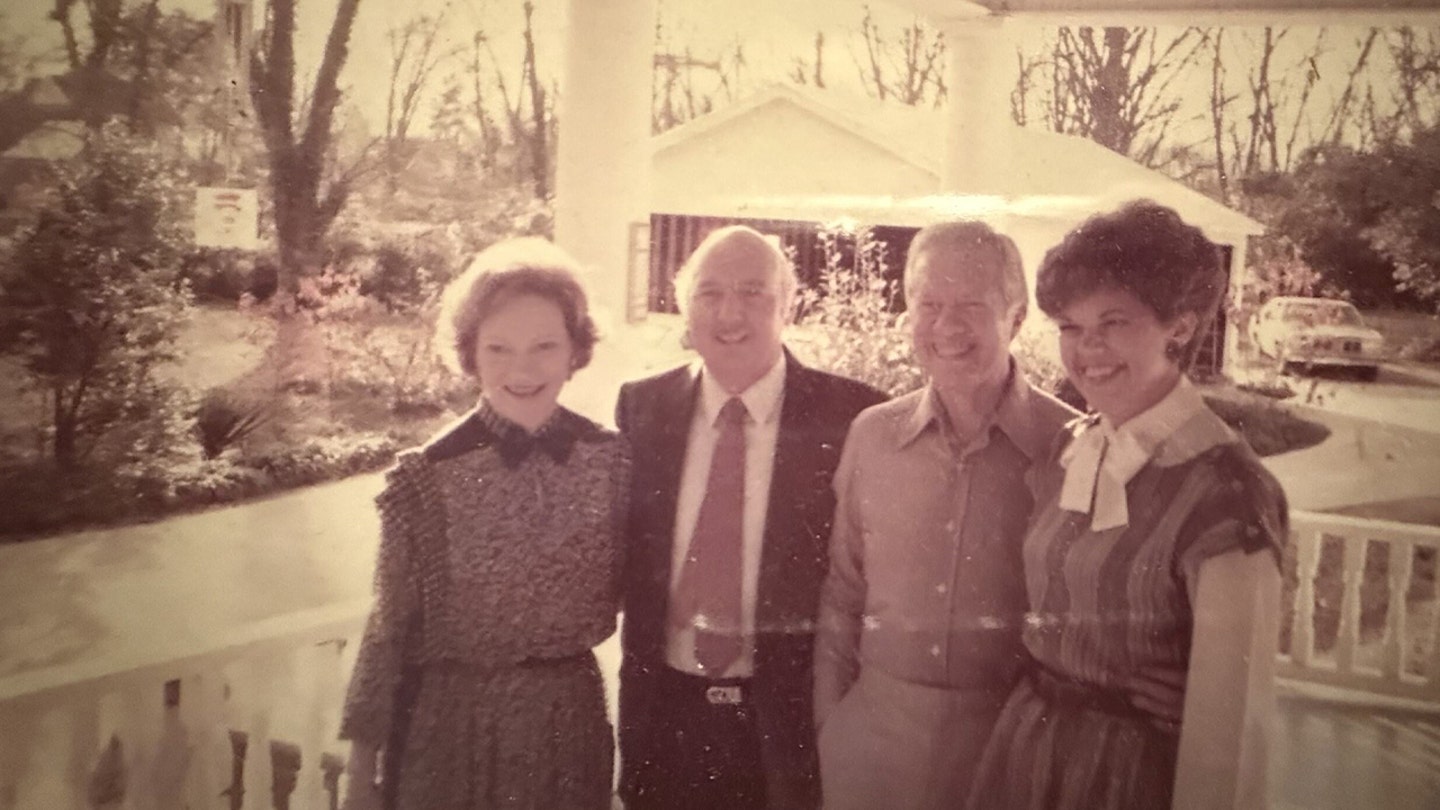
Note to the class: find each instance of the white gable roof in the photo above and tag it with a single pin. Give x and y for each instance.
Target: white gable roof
(1053, 176)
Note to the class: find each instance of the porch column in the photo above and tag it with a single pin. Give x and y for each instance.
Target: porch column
(979, 76)
(602, 169)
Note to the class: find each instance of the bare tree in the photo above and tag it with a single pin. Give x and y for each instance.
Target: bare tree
(675, 98)
(1416, 57)
(529, 112)
(1113, 87)
(1028, 73)
(1219, 101)
(305, 203)
(687, 85)
(1340, 113)
(414, 56)
(910, 67)
(539, 136)
(812, 71)
(490, 135)
(104, 18)
(141, 45)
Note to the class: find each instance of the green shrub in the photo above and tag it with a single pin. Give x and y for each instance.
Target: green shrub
(40, 498)
(91, 300)
(404, 278)
(323, 459)
(224, 276)
(1269, 428)
(223, 420)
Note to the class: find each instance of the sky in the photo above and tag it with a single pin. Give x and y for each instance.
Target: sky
(773, 33)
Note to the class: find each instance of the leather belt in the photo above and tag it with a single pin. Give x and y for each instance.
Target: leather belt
(732, 695)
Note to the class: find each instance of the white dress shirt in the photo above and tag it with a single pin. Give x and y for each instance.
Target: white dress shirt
(762, 425)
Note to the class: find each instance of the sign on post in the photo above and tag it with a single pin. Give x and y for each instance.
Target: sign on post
(226, 217)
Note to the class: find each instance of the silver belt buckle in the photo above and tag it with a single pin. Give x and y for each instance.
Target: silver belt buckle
(724, 695)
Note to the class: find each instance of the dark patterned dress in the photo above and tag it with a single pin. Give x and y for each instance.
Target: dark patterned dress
(497, 573)
(1108, 605)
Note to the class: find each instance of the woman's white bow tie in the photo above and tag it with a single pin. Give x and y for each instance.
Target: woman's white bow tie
(1098, 464)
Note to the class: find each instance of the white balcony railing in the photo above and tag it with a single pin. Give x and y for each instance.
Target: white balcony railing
(1366, 612)
(250, 721)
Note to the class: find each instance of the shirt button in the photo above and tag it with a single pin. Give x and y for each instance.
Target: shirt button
(941, 588)
(935, 650)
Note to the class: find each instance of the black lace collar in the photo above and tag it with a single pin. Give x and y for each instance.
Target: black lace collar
(484, 427)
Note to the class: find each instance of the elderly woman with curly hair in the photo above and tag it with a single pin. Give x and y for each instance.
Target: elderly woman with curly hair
(498, 569)
(1151, 562)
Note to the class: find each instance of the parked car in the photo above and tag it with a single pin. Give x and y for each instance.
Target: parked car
(1309, 333)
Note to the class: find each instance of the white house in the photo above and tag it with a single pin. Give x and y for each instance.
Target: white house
(789, 159)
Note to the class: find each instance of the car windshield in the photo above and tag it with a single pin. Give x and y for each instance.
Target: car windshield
(1330, 313)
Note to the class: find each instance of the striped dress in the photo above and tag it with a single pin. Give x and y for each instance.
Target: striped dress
(1108, 605)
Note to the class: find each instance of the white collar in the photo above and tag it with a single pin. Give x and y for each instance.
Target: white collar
(1101, 459)
(761, 399)
(1156, 424)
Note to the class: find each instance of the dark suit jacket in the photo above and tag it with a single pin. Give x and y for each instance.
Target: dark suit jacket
(654, 414)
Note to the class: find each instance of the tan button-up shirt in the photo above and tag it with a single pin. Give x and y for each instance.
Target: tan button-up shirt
(925, 579)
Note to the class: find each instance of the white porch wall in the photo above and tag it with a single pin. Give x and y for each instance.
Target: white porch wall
(602, 172)
(980, 64)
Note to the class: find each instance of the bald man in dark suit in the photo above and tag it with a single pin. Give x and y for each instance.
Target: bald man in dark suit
(729, 523)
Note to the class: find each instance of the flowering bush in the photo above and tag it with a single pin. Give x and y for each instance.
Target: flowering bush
(849, 317)
(851, 322)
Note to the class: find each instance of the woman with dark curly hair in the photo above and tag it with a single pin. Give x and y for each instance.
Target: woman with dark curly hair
(498, 568)
(1151, 563)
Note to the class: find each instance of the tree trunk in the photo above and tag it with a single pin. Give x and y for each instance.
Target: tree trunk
(64, 421)
(302, 213)
(1108, 103)
(299, 356)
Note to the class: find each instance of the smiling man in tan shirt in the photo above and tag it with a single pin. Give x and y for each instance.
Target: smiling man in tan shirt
(918, 639)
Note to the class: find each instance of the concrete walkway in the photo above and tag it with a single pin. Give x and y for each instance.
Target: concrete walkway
(1362, 461)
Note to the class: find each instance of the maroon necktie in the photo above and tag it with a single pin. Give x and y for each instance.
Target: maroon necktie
(709, 589)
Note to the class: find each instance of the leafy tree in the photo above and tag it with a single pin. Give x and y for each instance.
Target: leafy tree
(1111, 85)
(1407, 232)
(1329, 201)
(158, 55)
(91, 301)
(1368, 221)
